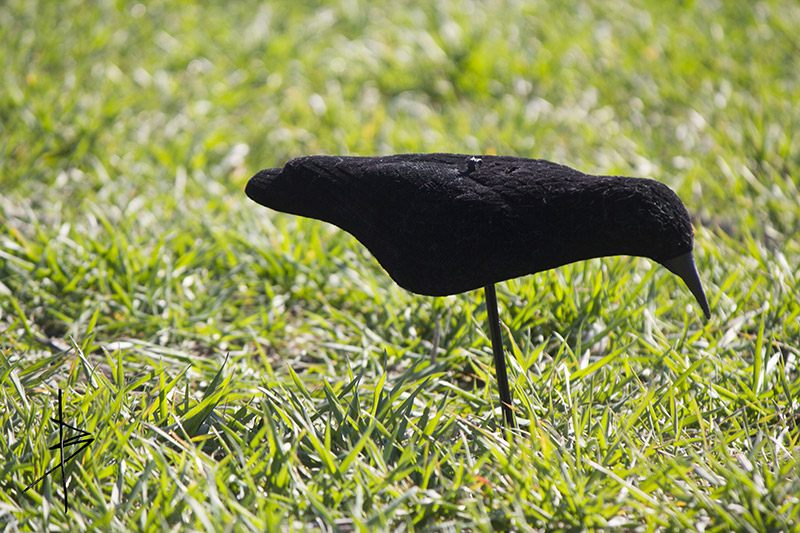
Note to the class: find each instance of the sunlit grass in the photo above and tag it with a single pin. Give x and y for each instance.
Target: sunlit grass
(253, 371)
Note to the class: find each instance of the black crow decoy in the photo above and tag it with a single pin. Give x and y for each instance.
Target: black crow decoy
(447, 223)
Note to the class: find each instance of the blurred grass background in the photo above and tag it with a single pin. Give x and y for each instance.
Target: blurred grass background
(245, 370)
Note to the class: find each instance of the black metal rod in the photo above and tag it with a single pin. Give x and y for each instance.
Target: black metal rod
(61, 449)
(499, 356)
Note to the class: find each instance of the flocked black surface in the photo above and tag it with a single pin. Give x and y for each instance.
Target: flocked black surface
(447, 223)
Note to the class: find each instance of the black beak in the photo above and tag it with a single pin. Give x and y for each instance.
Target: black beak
(683, 267)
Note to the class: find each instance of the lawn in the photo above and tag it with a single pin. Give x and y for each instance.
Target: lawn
(244, 370)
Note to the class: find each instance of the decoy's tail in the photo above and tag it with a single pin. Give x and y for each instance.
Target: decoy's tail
(257, 185)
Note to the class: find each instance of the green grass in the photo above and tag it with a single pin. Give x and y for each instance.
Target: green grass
(243, 370)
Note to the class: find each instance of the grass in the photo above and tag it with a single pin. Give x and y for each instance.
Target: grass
(243, 370)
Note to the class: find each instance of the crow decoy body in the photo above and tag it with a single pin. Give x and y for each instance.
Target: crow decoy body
(443, 224)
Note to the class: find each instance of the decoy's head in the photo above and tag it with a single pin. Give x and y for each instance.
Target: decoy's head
(657, 225)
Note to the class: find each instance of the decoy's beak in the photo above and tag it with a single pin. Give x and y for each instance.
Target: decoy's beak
(683, 267)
